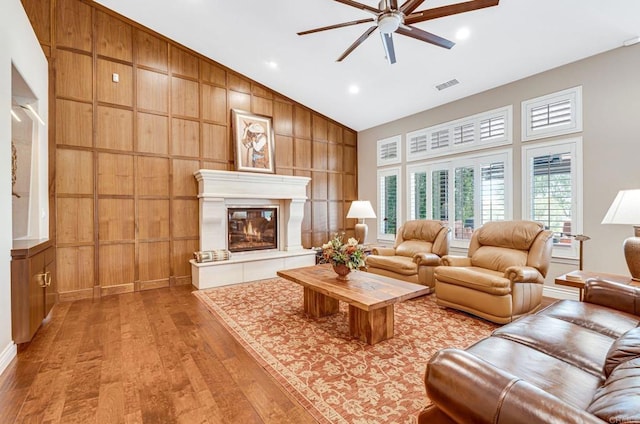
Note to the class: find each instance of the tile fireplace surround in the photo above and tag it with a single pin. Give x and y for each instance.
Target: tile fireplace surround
(219, 190)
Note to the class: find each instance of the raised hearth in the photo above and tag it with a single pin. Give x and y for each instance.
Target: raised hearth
(221, 191)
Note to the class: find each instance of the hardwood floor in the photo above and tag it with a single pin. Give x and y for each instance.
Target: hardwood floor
(155, 356)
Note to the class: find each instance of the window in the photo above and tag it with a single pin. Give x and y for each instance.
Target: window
(389, 151)
(474, 132)
(551, 115)
(418, 192)
(388, 205)
(472, 189)
(464, 199)
(553, 191)
(492, 207)
(440, 195)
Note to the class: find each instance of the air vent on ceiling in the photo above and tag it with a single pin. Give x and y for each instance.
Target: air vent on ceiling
(447, 84)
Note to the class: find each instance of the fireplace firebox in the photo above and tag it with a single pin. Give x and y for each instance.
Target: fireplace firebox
(254, 228)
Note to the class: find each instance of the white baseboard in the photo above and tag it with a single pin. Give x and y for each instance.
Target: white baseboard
(561, 292)
(7, 356)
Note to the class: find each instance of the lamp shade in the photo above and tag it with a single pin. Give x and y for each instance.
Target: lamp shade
(361, 209)
(625, 208)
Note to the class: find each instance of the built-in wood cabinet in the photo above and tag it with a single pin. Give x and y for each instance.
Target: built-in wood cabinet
(33, 287)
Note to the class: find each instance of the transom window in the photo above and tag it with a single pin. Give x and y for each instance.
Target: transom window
(552, 115)
(474, 132)
(389, 151)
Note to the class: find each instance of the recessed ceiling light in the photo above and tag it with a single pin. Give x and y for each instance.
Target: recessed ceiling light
(272, 64)
(354, 89)
(463, 33)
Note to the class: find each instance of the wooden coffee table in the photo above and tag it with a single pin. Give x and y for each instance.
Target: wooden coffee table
(370, 297)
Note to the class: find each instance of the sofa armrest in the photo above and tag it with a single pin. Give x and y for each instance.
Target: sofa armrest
(523, 274)
(383, 251)
(622, 297)
(451, 260)
(469, 389)
(426, 259)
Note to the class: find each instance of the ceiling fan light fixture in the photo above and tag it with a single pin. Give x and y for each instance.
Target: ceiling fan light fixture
(389, 22)
(391, 18)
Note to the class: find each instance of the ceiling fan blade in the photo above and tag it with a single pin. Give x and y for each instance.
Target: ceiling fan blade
(393, 4)
(345, 24)
(425, 36)
(410, 5)
(359, 41)
(452, 9)
(387, 43)
(359, 6)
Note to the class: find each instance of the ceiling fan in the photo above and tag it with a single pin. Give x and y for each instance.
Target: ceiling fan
(390, 18)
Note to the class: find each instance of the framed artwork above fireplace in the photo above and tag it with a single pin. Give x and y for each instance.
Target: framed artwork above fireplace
(253, 142)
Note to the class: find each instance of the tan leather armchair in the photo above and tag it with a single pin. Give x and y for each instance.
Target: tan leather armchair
(417, 251)
(503, 275)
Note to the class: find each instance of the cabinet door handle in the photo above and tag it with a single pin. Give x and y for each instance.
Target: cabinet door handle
(42, 279)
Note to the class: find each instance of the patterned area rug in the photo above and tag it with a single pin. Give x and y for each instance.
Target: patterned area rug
(336, 378)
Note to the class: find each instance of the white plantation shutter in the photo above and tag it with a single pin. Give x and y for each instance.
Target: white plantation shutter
(418, 143)
(439, 139)
(492, 194)
(464, 202)
(388, 206)
(552, 187)
(467, 191)
(440, 195)
(464, 134)
(418, 195)
(492, 128)
(551, 115)
(389, 151)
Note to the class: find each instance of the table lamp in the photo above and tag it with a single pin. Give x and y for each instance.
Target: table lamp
(625, 209)
(361, 209)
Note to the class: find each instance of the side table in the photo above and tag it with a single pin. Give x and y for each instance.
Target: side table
(577, 278)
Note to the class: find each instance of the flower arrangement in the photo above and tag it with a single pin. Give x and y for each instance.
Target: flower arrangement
(350, 254)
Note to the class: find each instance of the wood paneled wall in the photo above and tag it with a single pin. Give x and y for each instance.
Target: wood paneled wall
(125, 209)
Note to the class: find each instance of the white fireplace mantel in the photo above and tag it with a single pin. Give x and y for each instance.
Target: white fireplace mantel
(219, 190)
(239, 185)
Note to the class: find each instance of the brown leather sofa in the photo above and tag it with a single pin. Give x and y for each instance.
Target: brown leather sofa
(572, 362)
(416, 252)
(503, 276)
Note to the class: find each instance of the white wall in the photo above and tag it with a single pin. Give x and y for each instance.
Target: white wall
(611, 143)
(18, 44)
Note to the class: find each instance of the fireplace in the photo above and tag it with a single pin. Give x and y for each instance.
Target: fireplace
(260, 214)
(252, 228)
